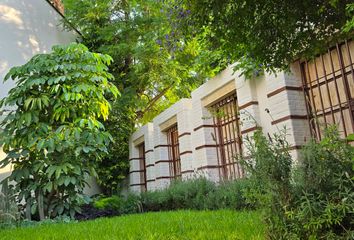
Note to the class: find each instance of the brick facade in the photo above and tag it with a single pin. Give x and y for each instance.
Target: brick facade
(269, 102)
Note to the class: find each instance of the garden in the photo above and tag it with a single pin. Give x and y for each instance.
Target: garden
(72, 111)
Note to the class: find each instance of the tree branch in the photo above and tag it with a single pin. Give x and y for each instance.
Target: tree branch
(153, 101)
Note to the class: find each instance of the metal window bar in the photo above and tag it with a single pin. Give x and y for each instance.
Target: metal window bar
(173, 152)
(328, 83)
(228, 137)
(142, 167)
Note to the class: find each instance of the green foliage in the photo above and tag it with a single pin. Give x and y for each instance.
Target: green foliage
(53, 135)
(131, 204)
(120, 205)
(152, 67)
(198, 194)
(232, 195)
(325, 190)
(315, 201)
(269, 33)
(189, 194)
(114, 203)
(270, 169)
(115, 166)
(223, 224)
(349, 26)
(193, 194)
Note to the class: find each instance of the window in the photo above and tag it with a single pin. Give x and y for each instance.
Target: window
(227, 136)
(173, 152)
(328, 82)
(142, 167)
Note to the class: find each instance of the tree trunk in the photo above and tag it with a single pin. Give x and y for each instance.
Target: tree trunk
(40, 205)
(28, 209)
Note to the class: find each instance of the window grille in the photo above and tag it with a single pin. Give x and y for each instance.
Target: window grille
(328, 83)
(173, 152)
(227, 136)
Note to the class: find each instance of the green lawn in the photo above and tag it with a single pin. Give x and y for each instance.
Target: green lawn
(187, 225)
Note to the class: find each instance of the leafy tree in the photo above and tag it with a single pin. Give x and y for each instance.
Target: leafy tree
(267, 34)
(152, 66)
(349, 26)
(53, 135)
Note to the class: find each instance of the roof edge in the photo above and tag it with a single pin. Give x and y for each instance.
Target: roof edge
(65, 19)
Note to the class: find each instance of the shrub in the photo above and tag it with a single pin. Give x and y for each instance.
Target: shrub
(324, 196)
(120, 205)
(198, 194)
(132, 204)
(270, 169)
(189, 194)
(111, 203)
(231, 195)
(316, 199)
(53, 135)
(193, 194)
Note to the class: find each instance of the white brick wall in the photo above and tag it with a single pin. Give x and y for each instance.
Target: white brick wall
(280, 94)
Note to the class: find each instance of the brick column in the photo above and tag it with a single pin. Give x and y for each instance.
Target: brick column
(161, 158)
(149, 156)
(134, 168)
(184, 137)
(287, 107)
(143, 135)
(248, 106)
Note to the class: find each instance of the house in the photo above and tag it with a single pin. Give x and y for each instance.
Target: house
(202, 135)
(29, 27)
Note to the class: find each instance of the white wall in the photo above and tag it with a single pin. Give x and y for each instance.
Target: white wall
(27, 27)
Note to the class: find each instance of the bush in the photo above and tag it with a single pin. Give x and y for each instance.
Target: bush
(119, 205)
(131, 204)
(190, 194)
(316, 199)
(112, 203)
(232, 195)
(194, 194)
(324, 194)
(198, 194)
(53, 135)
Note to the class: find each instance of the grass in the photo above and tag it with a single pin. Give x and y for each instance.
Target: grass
(222, 224)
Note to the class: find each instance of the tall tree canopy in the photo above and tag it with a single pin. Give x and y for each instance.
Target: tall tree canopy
(267, 33)
(152, 66)
(164, 49)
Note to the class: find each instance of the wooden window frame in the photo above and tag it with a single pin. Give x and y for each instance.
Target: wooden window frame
(328, 84)
(227, 136)
(173, 152)
(142, 166)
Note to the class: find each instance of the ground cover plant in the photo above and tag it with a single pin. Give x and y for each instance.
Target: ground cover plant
(53, 134)
(223, 224)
